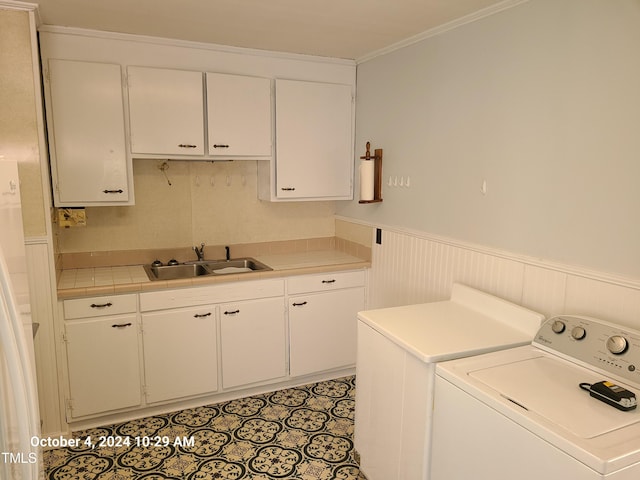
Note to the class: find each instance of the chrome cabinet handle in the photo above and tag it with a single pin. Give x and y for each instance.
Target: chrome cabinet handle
(101, 305)
(231, 312)
(299, 304)
(187, 145)
(288, 189)
(218, 145)
(120, 325)
(113, 191)
(202, 315)
(329, 281)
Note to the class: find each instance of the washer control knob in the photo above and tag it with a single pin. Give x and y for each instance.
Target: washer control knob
(617, 344)
(558, 326)
(578, 333)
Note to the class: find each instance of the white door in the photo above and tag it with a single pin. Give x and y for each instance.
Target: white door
(180, 353)
(314, 148)
(104, 372)
(239, 115)
(166, 109)
(322, 330)
(253, 341)
(87, 120)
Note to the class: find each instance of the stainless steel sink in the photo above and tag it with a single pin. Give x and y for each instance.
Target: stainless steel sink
(171, 272)
(238, 265)
(204, 267)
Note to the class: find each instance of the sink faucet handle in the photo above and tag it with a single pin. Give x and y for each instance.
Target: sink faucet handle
(199, 251)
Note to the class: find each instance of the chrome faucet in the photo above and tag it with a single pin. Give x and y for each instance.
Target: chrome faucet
(199, 251)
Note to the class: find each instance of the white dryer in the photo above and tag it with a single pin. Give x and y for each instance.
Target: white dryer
(398, 349)
(563, 407)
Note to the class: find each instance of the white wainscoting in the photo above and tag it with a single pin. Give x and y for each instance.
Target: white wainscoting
(42, 286)
(415, 267)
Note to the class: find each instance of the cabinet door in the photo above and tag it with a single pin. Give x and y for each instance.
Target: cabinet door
(253, 341)
(180, 353)
(104, 371)
(87, 133)
(314, 148)
(166, 111)
(322, 329)
(239, 115)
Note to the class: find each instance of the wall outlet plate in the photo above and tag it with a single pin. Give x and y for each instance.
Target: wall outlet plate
(72, 217)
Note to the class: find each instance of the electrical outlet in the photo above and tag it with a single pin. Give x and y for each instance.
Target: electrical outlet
(72, 217)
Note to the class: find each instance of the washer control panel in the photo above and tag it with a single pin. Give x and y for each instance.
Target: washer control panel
(595, 343)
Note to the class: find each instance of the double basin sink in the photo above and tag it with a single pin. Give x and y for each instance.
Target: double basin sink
(204, 267)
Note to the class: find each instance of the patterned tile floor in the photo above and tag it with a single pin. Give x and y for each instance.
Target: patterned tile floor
(300, 433)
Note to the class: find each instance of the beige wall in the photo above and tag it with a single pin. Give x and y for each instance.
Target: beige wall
(18, 120)
(199, 206)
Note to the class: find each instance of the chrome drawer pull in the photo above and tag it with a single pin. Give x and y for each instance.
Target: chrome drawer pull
(231, 312)
(120, 325)
(202, 315)
(113, 191)
(288, 189)
(101, 305)
(187, 145)
(299, 304)
(217, 145)
(328, 281)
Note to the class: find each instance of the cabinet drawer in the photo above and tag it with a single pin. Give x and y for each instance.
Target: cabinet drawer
(188, 297)
(325, 281)
(99, 306)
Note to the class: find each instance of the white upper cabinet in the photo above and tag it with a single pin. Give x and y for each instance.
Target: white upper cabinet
(238, 115)
(183, 101)
(166, 111)
(87, 134)
(314, 140)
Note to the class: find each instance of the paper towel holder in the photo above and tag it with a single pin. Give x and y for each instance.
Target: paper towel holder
(377, 175)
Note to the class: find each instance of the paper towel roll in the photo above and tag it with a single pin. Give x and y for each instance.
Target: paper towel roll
(367, 173)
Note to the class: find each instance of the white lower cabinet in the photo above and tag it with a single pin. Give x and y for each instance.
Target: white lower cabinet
(322, 325)
(103, 364)
(253, 340)
(131, 351)
(180, 353)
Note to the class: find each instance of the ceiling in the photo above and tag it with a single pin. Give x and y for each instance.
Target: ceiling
(334, 28)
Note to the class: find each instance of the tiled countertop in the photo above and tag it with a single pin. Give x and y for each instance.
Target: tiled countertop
(322, 258)
(81, 282)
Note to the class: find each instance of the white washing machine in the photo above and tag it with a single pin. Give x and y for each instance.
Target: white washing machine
(395, 371)
(536, 412)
